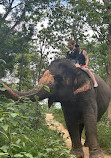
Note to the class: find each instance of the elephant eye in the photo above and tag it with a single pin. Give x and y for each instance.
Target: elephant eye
(58, 78)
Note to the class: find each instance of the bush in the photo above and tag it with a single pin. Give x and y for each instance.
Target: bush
(24, 133)
(104, 134)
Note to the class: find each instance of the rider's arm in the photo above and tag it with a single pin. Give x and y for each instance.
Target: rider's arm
(86, 57)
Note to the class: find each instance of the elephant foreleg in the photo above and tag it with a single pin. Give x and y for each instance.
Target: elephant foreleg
(74, 132)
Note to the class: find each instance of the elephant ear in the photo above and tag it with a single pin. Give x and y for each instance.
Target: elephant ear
(82, 81)
(85, 87)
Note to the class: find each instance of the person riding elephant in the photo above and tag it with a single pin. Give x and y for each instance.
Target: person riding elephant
(80, 58)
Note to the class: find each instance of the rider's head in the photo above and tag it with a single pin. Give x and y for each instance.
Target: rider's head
(77, 46)
(71, 44)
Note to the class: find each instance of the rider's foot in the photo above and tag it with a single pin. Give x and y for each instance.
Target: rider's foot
(95, 85)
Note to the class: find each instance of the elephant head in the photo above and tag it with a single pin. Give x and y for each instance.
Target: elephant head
(63, 80)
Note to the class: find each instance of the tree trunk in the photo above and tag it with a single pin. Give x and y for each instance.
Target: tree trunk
(40, 65)
(109, 76)
(21, 73)
(107, 4)
(109, 68)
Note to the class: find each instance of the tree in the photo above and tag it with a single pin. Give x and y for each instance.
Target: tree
(97, 16)
(65, 19)
(98, 58)
(107, 4)
(11, 37)
(17, 26)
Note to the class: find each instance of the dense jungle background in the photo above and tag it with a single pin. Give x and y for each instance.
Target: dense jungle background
(32, 34)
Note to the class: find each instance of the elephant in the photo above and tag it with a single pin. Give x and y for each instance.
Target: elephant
(82, 104)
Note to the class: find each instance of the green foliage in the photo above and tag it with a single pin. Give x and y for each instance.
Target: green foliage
(104, 134)
(17, 28)
(1, 87)
(2, 68)
(98, 58)
(59, 116)
(29, 69)
(15, 119)
(24, 71)
(24, 133)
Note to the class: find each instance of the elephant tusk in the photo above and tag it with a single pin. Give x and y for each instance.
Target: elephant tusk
(85, 87)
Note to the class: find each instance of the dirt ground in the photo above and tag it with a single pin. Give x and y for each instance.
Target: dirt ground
(54, 125)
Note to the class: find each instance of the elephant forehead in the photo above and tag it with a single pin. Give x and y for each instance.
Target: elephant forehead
(47, 78)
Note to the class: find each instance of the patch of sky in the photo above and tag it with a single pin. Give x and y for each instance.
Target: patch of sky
(14, 4)
(2, 9)
(58, 105)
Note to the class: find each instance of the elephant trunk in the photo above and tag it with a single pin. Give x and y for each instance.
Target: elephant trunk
(9, 93)
(40, 91)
